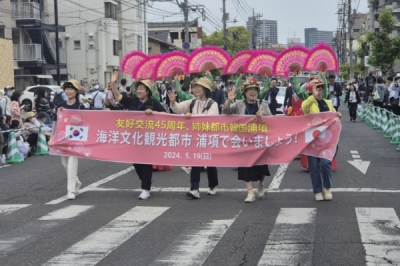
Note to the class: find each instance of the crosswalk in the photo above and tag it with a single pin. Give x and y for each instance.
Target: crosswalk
(291, 240)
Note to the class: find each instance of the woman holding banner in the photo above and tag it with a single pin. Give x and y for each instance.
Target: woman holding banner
(202, 105)
(315, 103)
(250, 106)
(142, 101)
(70, 163)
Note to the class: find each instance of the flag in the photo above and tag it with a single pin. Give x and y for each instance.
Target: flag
(315, 132)
(77, 133)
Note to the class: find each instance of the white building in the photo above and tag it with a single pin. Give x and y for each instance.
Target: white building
(98, 33)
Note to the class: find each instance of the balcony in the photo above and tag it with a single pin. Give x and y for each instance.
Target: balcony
(25, 11)
(63, 56)
(27, 52)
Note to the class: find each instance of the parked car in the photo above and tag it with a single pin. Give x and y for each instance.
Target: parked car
(280, 98)
(28, 97)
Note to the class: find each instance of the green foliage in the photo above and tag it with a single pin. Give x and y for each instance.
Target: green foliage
(238, 39)
(358, 69)
(344, 70)
(384, 48)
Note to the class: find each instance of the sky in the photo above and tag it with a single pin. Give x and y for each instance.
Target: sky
(293, 16)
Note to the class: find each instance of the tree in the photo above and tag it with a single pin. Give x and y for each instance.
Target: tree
(358, 69)
(362, 52)
(344, 70)
(238, 39)
(384, 47)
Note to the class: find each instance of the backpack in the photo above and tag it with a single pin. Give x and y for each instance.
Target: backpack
(58, 98)
(209, 103)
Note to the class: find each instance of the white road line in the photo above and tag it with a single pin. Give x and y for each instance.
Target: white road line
(66, 213)
(379, 236)
(4, 166)
(95, 247)
(277, 180)
(241, 190)
(354, 152)
(194, 245)
(292, 239)
(93, 185)
(356, 156)
(6, 209)
(357, 160)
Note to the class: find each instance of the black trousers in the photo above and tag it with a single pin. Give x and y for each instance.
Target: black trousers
(273, 110)
(32, 139)
(353, 110)
(212, 175)
(145, 173)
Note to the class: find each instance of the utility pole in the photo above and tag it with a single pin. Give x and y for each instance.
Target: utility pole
(186, 14)
(57, 42)
(350, 40)
(253, 34)
(224, 23)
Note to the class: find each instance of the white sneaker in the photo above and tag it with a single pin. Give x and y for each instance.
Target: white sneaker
(250, 198)
(77, 187)
(260, 192)
(319, 196)
(327, 194)
(71, 195)
(186, 169)
(212, 191)
(144, 195)
(195, 194)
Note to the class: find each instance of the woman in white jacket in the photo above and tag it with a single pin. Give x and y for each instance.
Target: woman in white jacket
(202, 105)
(250, 106)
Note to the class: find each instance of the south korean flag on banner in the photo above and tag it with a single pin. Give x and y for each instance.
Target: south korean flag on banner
(77, 133)
(315, 132)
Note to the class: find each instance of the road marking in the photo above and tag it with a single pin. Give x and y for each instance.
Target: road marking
(241, 190)
(66, 213)
(380, 237)
(194, 245)
(6, 209)
(361, 165)
(95, 247)
(93, 185)
(292, 239)
(4, 166)
(277, 180)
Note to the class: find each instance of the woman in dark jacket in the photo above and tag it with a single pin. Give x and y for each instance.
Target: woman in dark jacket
(144, 102)
(353, 99)
(42, 104)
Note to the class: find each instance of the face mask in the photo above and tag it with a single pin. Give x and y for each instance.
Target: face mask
(9, 93)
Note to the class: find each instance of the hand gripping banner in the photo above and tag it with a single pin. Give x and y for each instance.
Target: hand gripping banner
(224, 140)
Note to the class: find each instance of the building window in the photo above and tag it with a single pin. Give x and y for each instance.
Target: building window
(110, 10)
(138, 8)
(140, 43)
(77, 45)
(2, 32)
(115, 47)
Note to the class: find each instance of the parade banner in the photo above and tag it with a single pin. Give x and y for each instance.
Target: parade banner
(167, 139)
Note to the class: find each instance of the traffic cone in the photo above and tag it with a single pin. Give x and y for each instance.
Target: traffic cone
(384, 123)
(41, 146)
(371, 117)
(13, 155)
(360, 112)
(390, 129)
(396, 135)
(378, 117)
(398, 149)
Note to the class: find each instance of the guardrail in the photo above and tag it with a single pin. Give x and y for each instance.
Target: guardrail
(382, 120)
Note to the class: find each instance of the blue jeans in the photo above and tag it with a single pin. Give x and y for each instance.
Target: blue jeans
(212, 175)
(98, 108)
(315, 165)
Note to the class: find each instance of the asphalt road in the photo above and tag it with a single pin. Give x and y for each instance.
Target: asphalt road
(108, 225)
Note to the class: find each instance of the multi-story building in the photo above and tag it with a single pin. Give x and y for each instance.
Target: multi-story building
(173, 32)
(313, 36)
(294, 41)
(98, 34)
(266, 31)
(31, 30)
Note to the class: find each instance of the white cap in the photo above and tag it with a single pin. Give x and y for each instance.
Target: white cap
(96, 87)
